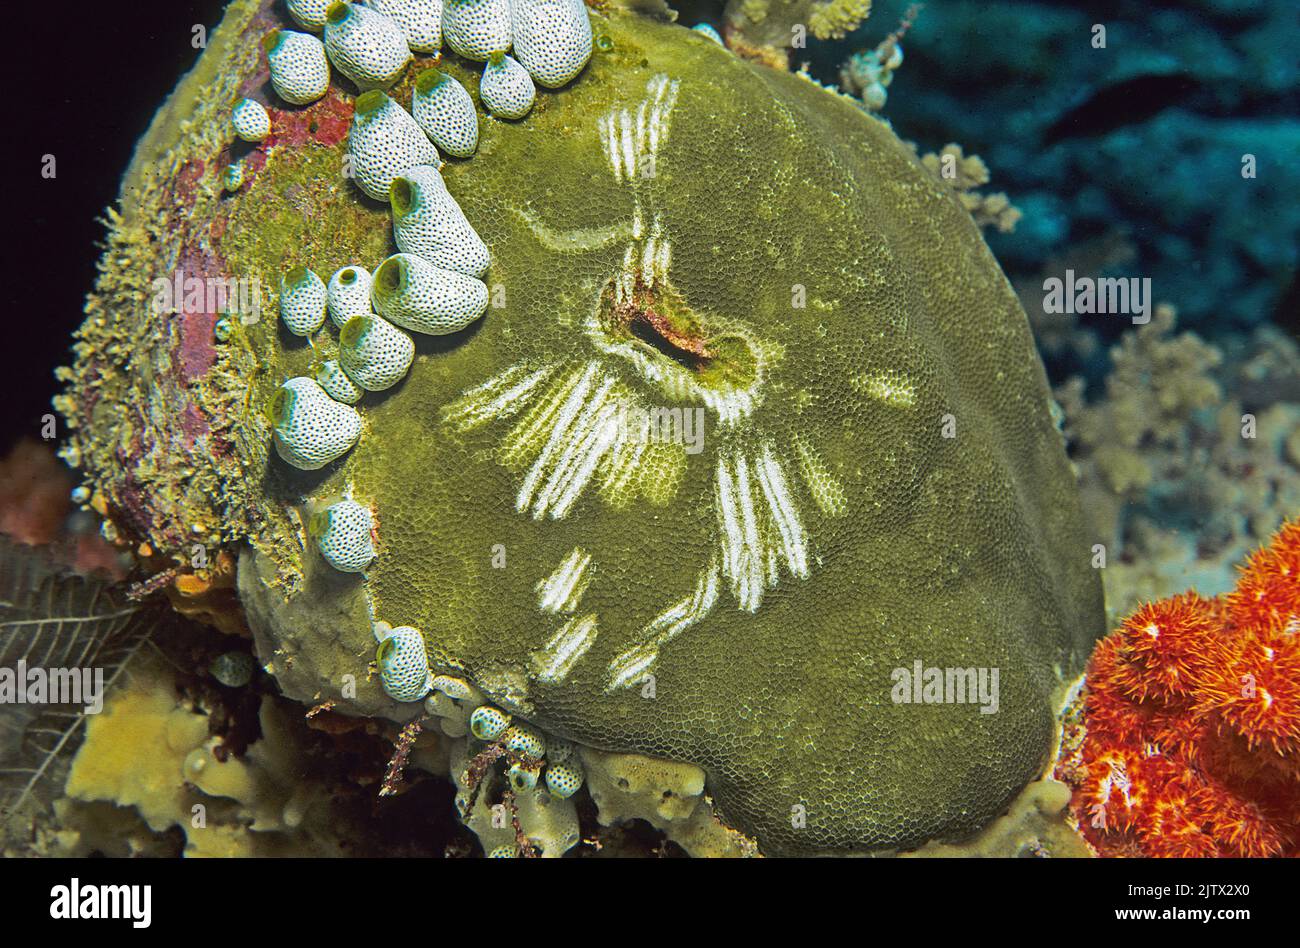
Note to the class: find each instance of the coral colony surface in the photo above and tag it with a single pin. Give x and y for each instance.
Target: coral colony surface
(537, 428)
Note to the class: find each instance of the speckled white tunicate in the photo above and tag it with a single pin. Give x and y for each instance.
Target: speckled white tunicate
(429, 223)
(403, 663)
(336, 383)
(506, 89)
(445, 111)
(309, 13)
(414, 294)
(300, 73)
(563, 780)
(522, 777)
(374, 353)
(419, 20)
(476, 28)
(552, 38)
(233, 179)
(384, 141)
(558, 750)
(348, 294)
(302, 301)
(250, 120)
(344, 535)
(453, 687)
(367, 47)
(310, 428)
(524, 742)
(488, 723)
(707, 29)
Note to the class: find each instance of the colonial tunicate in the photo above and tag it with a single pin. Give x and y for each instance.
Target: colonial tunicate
(453, 687)
(445, 111)
(366, 46)
(233, 669)
(374, 353)
(552, 38)
(336, 383)
(558, 750)
(525, 742)
(563, 780)
(523, 777)
(250, 120)
(309, 13)
(708, 29)
(476, 28)
(300, 73)
(310, 428)
(384, 141)
(415, 294)
(302, 301)
(507, 90)
(233, 178)
(403, 663)
(428, 223)
(488, 723)
(348, 294)
(344, 534)
(419, 20)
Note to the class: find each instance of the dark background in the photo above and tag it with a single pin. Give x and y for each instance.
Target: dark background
(83, 84)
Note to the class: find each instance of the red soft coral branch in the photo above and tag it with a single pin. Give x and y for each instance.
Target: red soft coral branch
(1191, 720)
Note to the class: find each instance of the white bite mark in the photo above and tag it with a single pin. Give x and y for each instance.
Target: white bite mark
(794, 542)
(822, 485)
(556, 659)
(501, 396)
(563, 589)
(580, 436)
(754, 539)
(631, 665)
(892, 388)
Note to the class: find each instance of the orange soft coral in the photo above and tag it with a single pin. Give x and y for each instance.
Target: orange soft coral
(1191, 721)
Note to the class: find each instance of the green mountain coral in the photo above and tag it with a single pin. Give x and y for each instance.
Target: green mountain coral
(752, 424)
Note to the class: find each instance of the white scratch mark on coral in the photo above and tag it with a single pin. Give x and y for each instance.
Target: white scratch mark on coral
(794, 543)
(575, 241)
(501, 396)
(563, 589)
(556, 659)
(631, 665)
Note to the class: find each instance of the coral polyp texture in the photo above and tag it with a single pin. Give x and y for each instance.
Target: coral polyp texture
(1190, 722)
(720, 425)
